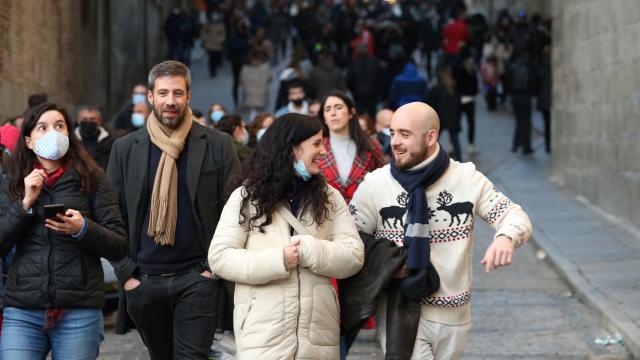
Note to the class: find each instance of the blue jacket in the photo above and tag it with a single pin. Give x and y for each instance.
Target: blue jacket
(408, 86)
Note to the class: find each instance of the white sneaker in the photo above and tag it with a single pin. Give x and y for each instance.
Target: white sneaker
(472, 150)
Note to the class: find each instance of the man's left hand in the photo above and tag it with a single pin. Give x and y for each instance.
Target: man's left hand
(498, 254)
(207, 274)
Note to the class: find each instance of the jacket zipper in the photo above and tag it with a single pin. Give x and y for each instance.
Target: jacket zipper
(50, 255)
(253, 299)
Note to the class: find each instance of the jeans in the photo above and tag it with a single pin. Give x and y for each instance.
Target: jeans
(76, 336)
(175, 315)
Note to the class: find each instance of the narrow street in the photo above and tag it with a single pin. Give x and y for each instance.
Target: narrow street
(525, 311)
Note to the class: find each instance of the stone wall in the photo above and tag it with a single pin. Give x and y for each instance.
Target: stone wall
(39, 52)
(595, 126)
(77, 51)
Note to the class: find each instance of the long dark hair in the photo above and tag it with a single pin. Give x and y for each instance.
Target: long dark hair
(269, 178)
(24, 159)
(355, 132)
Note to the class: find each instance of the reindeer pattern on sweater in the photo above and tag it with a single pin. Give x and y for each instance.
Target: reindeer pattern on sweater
(379, 208)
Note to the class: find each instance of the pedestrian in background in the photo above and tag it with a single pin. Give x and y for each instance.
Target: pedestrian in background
(282, 236)
(521, 85)
(213, 36)
(215, 114)
(123, 119)
(55, 286)
(237, 48)
(444, 98)
(97, 137)
(544, 95)
(258, 127)
(234, 125)
(408, 86)
(255, 77)
(466, 79)
(350, 152)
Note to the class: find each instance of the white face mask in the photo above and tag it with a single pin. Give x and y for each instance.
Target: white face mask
(386, 131)
(52, 146)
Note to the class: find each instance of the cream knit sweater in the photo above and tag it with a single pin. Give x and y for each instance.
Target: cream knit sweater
(378, 208)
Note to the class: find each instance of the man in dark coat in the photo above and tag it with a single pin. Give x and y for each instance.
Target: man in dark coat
(169, 290)
(96, 137)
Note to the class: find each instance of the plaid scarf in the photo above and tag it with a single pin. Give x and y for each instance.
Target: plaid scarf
(362, 164)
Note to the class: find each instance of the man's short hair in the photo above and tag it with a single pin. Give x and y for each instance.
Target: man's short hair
(36, 99)
(169, 68)
(88, 107)
(295, 84)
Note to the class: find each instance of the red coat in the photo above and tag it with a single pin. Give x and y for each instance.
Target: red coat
(454, 33)
(361, 166)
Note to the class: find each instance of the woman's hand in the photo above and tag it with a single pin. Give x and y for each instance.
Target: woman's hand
(33, 183)
(291, 256)
(70, 223)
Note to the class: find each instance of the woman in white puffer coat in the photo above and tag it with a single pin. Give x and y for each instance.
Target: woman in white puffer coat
(282, 236)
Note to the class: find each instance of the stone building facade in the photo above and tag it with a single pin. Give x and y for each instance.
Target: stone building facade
(596, 94)
(77, 51)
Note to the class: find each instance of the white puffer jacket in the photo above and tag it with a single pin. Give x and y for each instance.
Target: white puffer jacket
(282, 314)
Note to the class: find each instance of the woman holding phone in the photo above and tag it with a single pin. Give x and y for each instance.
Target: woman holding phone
(55, 286)
(283, 234)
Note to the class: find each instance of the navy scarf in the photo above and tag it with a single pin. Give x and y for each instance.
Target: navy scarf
(416, 235)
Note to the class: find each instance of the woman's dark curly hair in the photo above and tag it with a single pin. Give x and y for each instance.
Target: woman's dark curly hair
(269, 178)
(77, 158)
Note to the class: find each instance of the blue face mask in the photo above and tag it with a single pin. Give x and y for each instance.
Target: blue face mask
(386, 131)
(137, 120)
(301, 169)
(260, 133)
(138, 99)
(216, 116)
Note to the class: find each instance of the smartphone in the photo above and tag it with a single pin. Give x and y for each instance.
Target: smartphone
(51, 211)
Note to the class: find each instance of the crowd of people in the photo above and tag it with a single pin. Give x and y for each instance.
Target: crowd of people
(258, 221)
(369, 49)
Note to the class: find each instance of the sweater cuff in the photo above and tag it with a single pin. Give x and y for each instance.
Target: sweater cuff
(83, 231)
(515, 232)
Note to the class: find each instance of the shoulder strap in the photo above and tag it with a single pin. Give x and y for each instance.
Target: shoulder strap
(293, 221)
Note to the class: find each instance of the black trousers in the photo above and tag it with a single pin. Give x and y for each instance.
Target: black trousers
(215, 59)
(546, 115)
(469, 110)
(522, 111)
(176, 316)
(236, 68)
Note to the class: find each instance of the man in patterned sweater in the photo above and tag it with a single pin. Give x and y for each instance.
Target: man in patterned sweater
(381, 207)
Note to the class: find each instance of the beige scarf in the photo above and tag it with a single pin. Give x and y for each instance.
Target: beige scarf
(164, 197)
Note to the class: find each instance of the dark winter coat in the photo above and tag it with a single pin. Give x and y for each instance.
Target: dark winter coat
(362, 76)
(466, 81)
(407, 87)
(447, 106)
(51, 269)
(359, 297)
(211, 161)
(324, 77)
